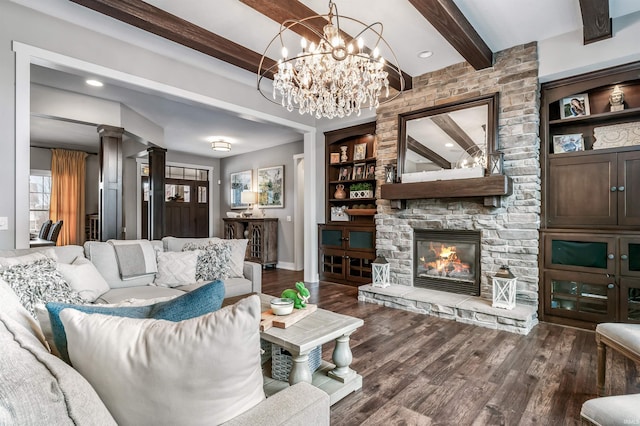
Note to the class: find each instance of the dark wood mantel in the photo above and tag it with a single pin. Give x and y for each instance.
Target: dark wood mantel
(488, 186)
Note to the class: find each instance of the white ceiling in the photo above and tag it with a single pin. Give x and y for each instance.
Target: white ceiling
(501, 23)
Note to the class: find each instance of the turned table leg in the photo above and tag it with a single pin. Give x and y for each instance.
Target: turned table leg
(300, 371)
(342, 358)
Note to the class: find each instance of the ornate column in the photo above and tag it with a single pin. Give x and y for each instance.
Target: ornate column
(110, 182)
(157, 162)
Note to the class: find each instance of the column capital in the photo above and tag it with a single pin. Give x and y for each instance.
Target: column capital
(110, 131)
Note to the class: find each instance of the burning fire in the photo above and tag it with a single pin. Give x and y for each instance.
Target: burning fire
(444, 261)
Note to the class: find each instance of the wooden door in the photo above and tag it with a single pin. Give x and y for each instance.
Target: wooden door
(629, 188)
(186, 209)
(583, 190)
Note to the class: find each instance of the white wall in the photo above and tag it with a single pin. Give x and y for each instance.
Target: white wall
(276, 156)
(566, 55)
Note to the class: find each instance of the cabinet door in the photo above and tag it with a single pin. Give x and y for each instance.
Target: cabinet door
(362, 239)
(630, 300)
(359, 267)
(332, 264)
(582, 190)
(592, 253)
(629, 255)
(255, 247)
(331, 236)
(575, 295)
(629, 188)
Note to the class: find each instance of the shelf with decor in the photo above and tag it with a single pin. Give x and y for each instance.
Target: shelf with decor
(590, 228)
(350, 166)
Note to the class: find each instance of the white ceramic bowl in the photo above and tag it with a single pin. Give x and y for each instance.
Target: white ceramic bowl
(281, 306)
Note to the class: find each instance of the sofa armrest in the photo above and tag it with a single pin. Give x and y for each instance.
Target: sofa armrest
(253, 272)
(299, 405)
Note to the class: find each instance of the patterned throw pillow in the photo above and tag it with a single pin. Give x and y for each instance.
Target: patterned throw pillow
(39, 282)
(214, 260)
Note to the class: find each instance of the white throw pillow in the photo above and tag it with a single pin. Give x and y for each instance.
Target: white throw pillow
(84, 278)
(176, 268)
(200, 371)
(238, 250)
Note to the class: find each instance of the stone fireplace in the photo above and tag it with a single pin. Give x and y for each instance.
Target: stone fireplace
(508, 229)
(447, 260)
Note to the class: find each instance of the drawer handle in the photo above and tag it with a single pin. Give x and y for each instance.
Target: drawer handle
(614, 189)
(624, 257)
(610, 286)
(610, 256)
(621, 189)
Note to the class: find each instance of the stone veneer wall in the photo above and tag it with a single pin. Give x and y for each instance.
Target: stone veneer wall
(509, 232)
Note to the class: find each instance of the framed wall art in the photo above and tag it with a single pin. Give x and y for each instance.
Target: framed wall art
(240, 181)
(568, 143)
(575, 106)
(271, 187)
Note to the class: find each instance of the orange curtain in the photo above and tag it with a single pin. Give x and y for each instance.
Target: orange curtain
(67, 194)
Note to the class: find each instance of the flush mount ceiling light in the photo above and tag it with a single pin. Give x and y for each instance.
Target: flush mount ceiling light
(333, 75)
(94, 83)
(220, 145)
(425, 54)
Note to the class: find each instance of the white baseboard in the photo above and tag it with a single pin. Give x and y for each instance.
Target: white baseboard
(286, 265)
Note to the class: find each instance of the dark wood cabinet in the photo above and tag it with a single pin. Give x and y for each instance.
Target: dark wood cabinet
(262, 234)
(346, 253)
(347, 239)
(590, 228)
(594, 189)
(591, 277)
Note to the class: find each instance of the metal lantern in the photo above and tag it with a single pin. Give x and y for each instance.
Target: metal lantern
(504, 289)
(496, 160)
(381, 270)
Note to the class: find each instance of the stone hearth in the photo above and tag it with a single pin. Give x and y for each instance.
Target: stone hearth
(457, 307)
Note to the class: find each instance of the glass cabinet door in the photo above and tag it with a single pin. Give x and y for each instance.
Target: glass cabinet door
(630, 257)
(361, 239)
(580, 252)
(331, 237)
(630, 300)
(587, 297)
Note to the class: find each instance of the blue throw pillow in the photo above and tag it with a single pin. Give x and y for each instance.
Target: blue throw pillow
(200, 301)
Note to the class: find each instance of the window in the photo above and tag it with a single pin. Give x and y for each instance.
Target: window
(39, 198)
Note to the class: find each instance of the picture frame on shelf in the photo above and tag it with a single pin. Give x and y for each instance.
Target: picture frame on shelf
(338, 214)
(334, 158)
(271, 187)
(345, 173)
(360, 151)
(240, 181)
(371, 171)
(568, 143)
(575, 106)
(359, 171)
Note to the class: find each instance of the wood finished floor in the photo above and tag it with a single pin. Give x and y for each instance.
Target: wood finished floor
(422, 370)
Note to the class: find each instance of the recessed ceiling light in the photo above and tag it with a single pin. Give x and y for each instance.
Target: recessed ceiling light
(448, 144)
(94, 83)
(425, 54)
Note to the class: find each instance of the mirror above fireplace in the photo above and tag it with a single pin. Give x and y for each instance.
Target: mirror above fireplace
(447, 137)
(455, 144)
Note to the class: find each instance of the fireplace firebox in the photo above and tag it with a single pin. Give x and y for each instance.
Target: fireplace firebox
(447, 260)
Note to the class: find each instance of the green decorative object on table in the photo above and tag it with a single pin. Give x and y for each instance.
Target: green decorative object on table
(300, 295)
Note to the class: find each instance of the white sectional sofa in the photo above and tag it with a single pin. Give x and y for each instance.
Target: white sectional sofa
(37, 387)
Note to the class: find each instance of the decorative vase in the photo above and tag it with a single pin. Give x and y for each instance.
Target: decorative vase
(340, 192)
(343, 155)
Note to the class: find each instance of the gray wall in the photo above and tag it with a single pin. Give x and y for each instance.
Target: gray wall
(276, 156)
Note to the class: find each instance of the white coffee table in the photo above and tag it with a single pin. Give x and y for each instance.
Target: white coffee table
(322, 326)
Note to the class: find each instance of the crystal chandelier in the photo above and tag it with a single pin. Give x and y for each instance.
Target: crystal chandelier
(334, 76)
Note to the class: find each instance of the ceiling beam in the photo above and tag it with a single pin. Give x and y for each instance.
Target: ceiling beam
(596, 22)
(449, 21)
(157, 21)
(283, 10)
(425, 152)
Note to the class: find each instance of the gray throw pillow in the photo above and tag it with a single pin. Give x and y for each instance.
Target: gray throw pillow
(214, 260)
